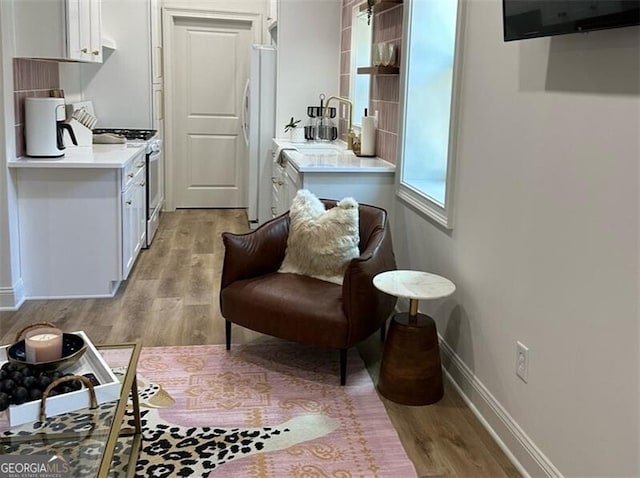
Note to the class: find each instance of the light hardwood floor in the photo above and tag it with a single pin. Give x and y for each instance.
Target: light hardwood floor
(171, 298)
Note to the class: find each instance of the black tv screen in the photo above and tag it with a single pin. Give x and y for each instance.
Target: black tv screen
(540, 18)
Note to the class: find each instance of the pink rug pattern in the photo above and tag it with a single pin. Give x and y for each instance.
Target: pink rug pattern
(328, 430)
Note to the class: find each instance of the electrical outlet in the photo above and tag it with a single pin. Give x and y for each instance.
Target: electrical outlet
(522, 361)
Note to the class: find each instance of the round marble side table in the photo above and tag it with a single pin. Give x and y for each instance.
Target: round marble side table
(410, 370)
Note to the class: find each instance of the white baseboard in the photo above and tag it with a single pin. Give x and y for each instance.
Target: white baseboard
(519, 448)
(11, 298)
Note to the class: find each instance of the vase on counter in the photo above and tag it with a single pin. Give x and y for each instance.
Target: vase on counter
(297, 135)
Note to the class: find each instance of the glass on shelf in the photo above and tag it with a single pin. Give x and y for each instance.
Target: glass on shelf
(388, 57)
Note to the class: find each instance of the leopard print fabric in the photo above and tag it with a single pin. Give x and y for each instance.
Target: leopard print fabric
(168, 449)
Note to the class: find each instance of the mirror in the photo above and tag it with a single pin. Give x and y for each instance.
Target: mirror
(361, 35)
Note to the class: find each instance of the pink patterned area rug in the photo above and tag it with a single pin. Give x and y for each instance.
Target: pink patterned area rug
(263, 411)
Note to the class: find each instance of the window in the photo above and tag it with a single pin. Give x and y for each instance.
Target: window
(360, 56)
(428, 131)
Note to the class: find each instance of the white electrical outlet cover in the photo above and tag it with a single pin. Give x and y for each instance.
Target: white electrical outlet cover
(522, 361)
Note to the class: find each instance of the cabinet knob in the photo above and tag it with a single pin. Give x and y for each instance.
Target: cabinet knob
(128, 203)
(131, 175)
(84, 50)
(96, 52)
(142, 183)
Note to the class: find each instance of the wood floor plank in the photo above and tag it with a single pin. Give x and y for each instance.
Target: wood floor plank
(201, 328)
(175, 273)
(200, 289)
(171, 298)
(205, 237)
(166, 325)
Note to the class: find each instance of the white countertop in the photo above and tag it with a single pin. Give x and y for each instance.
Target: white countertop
(330, 158)
(96, 156)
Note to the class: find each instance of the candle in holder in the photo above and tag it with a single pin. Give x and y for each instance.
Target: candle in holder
(43, 345)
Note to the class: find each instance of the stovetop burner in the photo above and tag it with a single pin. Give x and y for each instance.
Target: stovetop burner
(130, 134)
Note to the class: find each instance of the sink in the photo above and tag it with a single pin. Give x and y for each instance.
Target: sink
(327, 152)
(318, 147)
(323, 150)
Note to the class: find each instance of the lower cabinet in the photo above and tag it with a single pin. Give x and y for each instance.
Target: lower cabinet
(81, 229)
(367, 187)
(134, 219)
(285, 183)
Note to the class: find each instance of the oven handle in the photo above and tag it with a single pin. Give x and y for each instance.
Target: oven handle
(154, 156)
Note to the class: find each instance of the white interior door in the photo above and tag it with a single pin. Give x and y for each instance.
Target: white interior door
(210, 59)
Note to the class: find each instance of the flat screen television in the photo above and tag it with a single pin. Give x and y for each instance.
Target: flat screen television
(539, 18)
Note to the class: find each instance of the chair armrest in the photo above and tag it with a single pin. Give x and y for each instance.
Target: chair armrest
(255, 253)
(365, 306)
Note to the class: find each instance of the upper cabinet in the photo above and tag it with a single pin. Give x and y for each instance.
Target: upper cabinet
(156, 42)
(84, 30)
(67, 29)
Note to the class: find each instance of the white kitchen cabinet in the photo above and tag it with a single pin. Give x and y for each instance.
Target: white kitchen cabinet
(134, 227)
(79, 237)
(156, 42)
(66, 29)
(285, 181)
(368, 185)
(277, 183)
(158, 107)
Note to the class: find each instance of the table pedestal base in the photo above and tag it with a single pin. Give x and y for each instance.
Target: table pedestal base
(410, 371)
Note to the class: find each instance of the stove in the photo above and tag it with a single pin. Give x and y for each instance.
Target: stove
(155, 171)
(130, 134)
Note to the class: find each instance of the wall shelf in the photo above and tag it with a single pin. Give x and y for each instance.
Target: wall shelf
(381, 5)
(378, 70)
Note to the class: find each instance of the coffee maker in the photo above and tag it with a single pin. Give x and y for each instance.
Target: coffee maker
(44, 125)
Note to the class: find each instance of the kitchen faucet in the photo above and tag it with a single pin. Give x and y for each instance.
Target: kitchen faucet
(340, 99)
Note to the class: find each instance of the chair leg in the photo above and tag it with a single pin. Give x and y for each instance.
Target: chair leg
(343, 366)
(383, 331)
(227, 330)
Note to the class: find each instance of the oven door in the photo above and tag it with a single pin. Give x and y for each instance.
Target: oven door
(153, 182)
(154, 193)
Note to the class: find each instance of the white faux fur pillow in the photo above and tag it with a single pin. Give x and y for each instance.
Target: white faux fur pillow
(321, 242)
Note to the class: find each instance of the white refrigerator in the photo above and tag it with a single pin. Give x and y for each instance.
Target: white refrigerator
(259, 129)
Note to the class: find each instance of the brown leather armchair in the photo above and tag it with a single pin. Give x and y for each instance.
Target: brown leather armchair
(300, 308)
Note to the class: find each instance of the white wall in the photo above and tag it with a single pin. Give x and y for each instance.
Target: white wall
(11, 292)
(545, 245)
(308, 56)
(120, 86)
(244, 6)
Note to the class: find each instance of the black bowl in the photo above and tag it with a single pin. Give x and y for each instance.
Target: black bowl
(73, 347)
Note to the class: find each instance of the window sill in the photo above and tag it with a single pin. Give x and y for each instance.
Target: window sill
(425, 206)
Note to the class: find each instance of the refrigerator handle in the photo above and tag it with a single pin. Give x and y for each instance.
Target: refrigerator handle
(245, 113)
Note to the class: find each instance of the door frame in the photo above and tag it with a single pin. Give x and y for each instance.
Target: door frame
(169, 17)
